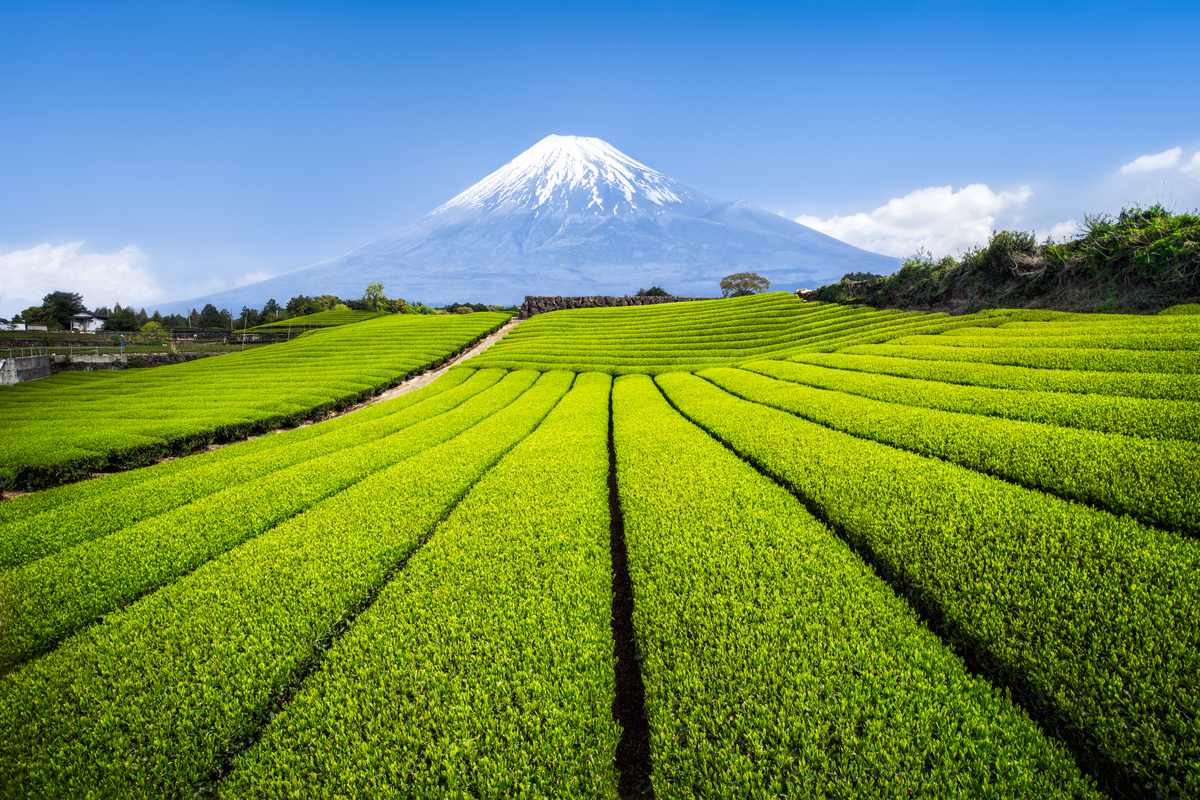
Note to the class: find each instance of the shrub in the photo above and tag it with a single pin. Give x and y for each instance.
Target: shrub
(1182, 308)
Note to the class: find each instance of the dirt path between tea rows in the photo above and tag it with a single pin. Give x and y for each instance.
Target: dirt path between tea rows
(410, 385)
(426, 378)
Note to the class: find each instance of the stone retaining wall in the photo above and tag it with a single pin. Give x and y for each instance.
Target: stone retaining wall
(88, 363)
(19, 370)
(540, 305)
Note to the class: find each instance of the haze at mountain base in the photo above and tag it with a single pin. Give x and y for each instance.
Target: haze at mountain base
(573, 216)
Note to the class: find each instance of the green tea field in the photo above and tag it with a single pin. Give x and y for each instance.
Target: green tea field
(79, 422)
(744, 548)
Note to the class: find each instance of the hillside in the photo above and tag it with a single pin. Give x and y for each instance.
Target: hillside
(750, 547)
(322, 319)
(74, 423)
(1141, 261)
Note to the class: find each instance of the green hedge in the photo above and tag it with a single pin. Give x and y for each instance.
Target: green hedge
(775, 663)
(1094, 619)
(484, 669)
(147, 703)
(1155, 481)
(50, 598)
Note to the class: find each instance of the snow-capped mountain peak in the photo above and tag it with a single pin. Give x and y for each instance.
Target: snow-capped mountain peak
(573, 216)
(580, 174)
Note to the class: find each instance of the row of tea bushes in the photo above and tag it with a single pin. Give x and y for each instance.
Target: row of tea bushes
(50, 521)
(1150, 386)
(147, 703)
(1094, 619)
(1177, 362)
(52, 597)
(775, 663)
(484, 669)
(1156, 481)
(1129, 416)
(61, 428)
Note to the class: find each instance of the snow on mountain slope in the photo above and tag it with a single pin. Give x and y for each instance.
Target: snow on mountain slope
(565, 172)
(573, 216)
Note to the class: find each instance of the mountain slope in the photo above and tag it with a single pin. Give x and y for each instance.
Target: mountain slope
(574, 216)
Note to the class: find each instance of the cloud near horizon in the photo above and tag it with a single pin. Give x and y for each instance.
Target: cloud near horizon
(937, 219)
(1065, 230)
(102, 278)
(1192, 168)
(1149, 163)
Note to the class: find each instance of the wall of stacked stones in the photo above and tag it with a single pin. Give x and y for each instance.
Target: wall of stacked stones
(540, 305)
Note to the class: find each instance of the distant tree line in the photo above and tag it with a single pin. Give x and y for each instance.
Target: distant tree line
(57, 308)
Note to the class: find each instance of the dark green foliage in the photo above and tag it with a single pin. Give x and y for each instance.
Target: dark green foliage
(1144, 259)
(271, 311)
(454, 307)
(210, 317)
(302, 305)
(653, 291)
(249, 318)
(59, 306)
(122, 319)
(741, 284)
(34, 315)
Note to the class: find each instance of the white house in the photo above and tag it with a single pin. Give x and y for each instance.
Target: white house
(83, 322)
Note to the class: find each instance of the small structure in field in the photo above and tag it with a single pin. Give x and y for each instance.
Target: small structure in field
(85, 322)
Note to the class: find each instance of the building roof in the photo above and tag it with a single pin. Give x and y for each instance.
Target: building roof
(88, 315)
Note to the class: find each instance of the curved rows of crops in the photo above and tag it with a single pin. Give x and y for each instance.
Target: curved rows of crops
(870, 554)
(322, 319)
(79, 422)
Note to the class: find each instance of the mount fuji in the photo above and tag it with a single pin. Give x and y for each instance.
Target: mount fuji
(573, 216)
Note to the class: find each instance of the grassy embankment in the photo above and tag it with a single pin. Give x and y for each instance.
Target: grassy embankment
(1142, 261)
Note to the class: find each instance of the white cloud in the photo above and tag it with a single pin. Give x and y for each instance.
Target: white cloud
(1149, 163)
(938, 219)
(1064, 230)
(102, 278)
(1192, 167)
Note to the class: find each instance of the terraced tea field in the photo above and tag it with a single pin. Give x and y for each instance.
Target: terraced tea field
(322, 319)
(739, 548)
(79, 422)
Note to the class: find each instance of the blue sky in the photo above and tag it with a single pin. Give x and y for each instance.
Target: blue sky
(157, 151)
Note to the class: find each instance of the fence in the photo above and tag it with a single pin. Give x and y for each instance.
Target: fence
(26, 352)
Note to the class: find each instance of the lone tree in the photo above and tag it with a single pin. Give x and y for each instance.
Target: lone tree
(741, 284)
(59, 306)
(153, 333)
(374, 296)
